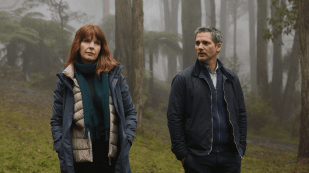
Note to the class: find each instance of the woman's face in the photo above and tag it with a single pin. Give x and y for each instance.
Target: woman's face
(89, 50)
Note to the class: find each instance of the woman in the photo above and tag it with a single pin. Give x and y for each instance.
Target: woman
(94, 119)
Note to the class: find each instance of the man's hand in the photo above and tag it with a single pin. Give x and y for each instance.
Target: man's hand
(183, 160)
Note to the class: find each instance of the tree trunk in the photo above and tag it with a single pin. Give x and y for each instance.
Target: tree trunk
(151, 86)
(137, 54)
(262, 75)
(172, 57)
(223, 27)
(303, 29)
(167, 16)
(11, 53)
(289, 91)
(207, 13)
(105, 9)
(213, 13)
(167, 27)
(276, 85)
(210, 13)
(123, 37)
(191, 19)
(235, 4)
(252, 42)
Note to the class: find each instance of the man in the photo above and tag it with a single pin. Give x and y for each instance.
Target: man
(206, 114)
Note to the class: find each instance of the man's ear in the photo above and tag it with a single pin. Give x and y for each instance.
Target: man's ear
(218, 46)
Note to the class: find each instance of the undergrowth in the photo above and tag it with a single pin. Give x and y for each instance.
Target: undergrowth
(26, 146)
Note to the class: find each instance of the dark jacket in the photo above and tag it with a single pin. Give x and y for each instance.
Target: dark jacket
(62, 119)
(189, 115)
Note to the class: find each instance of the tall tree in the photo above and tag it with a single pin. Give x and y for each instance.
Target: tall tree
(156, 41)
(171, 24)
(223, 29)
(167, 16)
(293, 75)
(105, 9)
(123, 37)
(60, 11)
(137, 54)
(191, 19)
(210, 12)
(276, 85)
(262, 74)
(284, 21)
(213, 13)
(303, 29)
(252, 42)
(234, 16)
(236, 11)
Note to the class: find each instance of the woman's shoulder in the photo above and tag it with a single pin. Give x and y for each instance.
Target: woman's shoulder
(116, 70)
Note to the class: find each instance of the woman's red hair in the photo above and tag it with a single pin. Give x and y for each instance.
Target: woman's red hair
(105, 62)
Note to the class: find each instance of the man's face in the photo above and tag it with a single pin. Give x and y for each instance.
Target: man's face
(205, 47)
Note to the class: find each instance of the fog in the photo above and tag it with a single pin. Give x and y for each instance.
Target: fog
(30, 55)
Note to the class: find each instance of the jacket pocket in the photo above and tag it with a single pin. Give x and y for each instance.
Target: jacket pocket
(58, 148)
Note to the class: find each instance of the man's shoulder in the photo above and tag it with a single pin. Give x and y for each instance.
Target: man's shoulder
(229, 73)
(186, 72)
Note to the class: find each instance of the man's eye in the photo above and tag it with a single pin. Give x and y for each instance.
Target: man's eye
(197, 43)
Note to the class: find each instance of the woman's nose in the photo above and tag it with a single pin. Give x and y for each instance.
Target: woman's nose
(92, 44)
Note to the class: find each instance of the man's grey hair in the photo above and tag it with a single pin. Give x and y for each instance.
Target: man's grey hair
(215, 34)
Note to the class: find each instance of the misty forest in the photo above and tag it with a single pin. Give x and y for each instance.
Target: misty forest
(265, 42)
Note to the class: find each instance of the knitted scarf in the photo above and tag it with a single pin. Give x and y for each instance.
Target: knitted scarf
(101, 90)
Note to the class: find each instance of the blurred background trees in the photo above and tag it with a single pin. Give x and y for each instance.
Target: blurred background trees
(264, 42)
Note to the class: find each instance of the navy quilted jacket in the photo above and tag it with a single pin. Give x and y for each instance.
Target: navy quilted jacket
(62, 118)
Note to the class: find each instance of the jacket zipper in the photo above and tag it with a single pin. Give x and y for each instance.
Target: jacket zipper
(230, 120)
(212, 118)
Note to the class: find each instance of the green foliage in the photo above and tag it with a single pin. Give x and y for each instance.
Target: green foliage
(259, 114)
(11, 74)
(154, 41)
(234, 65)
(284, 20)
(157, 99)
(40, 45)
(26, 146)
(60, 12)
(295, 126)
(11, 29)
(262, 123)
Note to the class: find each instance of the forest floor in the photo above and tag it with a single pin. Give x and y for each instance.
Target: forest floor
(27, 142)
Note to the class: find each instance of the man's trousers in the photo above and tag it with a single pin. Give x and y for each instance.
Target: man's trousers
(225, 162)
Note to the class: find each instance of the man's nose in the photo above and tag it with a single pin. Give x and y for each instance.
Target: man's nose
(200, 46)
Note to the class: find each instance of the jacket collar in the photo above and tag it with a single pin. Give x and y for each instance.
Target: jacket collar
(69, 72)
(198, 67)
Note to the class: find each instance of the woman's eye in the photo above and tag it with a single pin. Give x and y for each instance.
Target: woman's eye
(86, 41)
(97, 43)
